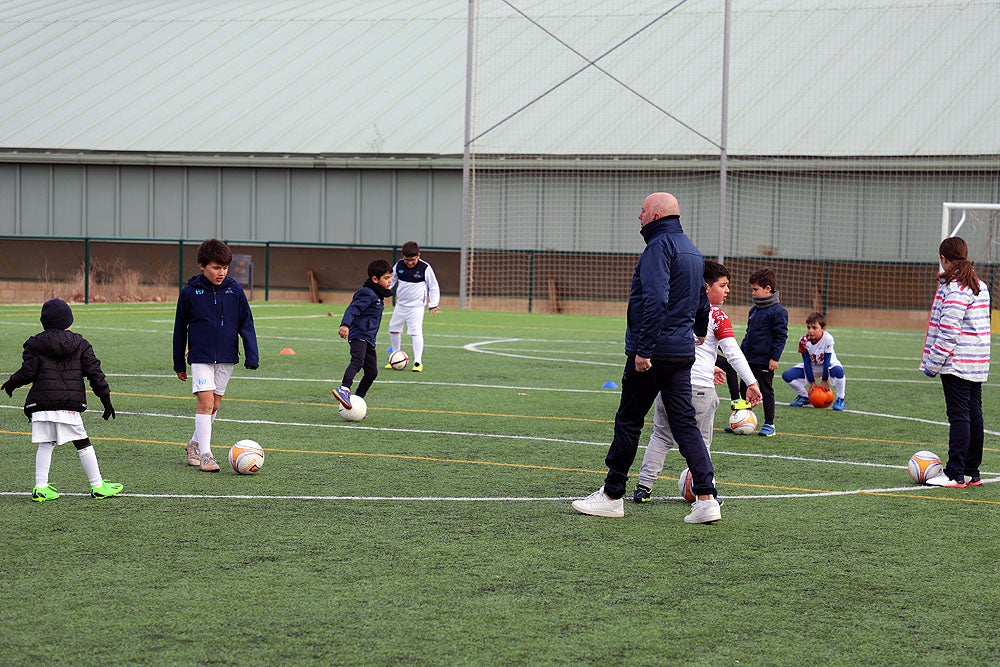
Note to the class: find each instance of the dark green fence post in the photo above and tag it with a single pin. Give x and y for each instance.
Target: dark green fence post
(180, 264)
(86, 270)
(531, 279)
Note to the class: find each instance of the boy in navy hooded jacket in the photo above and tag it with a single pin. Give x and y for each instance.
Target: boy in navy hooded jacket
(213, 314)
(360, 326)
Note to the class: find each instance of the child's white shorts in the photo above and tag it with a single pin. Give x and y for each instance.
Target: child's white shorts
(210, 377)
(58, 426)
(411, 316)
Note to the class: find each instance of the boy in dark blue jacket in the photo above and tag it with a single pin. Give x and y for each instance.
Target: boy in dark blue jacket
(767, 331)
(360, 326)
(213, 314)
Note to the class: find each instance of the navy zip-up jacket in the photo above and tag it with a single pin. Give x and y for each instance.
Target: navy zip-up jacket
(210, 322)
(667, 301)
(767, 331)
(364, 315)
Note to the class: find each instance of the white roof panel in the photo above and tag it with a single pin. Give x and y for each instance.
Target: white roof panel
(807, 77)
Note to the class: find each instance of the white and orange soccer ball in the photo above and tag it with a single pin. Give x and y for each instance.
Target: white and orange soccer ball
(743, 422)
(685, 485)
(246, 457)
(923, 466)
(398, 360)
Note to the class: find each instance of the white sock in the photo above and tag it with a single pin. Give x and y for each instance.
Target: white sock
(418, 348)
(799, 386)
(203, 433)
(395, 340)
(43, 461)
(195, 439)
(88, 457)
(839, 386)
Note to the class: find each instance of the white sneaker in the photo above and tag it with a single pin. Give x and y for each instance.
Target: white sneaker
(704, 511)
(942, 479)
(598, 504)
(193, 453)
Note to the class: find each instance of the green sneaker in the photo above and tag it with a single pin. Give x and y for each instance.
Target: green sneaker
(42, 493)
(105, 490)
(739, 404)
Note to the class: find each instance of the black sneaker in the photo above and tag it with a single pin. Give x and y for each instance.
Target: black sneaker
(642, 494)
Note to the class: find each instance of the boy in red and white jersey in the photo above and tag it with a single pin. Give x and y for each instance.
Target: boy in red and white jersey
(704, 377)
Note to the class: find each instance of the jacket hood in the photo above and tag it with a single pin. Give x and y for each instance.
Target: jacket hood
(55, 343)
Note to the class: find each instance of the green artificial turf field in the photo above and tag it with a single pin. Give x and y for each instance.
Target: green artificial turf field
(439, 531)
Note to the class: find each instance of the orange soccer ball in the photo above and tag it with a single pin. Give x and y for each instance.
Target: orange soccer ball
(821, 398)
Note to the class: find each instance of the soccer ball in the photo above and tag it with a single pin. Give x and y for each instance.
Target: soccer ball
(246, 457)
(743, 422)
(820, 398)
(398, 360)
(685, 484)
(923, 466)
(357, 412)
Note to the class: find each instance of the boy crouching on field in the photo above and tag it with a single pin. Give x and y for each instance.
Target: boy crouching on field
(818, 359)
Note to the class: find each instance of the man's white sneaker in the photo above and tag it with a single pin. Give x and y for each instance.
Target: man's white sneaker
(704, 511)
(942, 479)
(598, 504)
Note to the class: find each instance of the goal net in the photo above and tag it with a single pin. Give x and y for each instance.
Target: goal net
(823, 153)
(979, 225)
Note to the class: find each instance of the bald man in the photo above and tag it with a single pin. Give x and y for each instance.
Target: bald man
(667, 308)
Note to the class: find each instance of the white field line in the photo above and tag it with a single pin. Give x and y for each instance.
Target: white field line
(498, 499)
(497, 436)
(501, 436)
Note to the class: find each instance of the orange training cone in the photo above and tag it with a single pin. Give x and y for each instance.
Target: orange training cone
(288, 350)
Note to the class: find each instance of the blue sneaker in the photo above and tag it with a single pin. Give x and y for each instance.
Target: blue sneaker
(799, 402)
(727, 429)
(839, 404)
(343, 396)
(766, 431)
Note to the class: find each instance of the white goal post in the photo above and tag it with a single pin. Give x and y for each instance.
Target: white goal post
(950, 209)
(977, 223)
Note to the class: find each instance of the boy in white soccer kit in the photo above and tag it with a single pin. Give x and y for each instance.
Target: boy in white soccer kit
(818, 359)
(703, 380)
(416, 287)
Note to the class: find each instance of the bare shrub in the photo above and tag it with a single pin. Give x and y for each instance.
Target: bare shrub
(114, 280)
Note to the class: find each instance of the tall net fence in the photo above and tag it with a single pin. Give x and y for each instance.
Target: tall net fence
(830, 165)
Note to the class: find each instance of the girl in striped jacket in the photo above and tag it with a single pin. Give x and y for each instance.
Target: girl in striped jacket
(957, 348)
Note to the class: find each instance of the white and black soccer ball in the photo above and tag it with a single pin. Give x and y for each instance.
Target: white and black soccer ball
(398, 360)
(357, 412)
